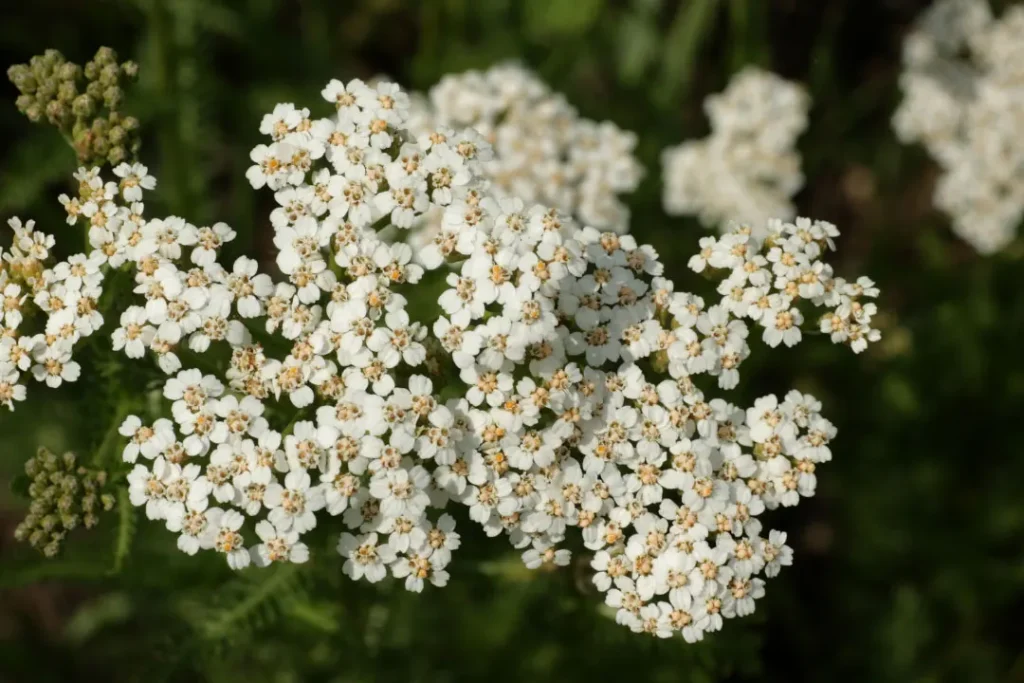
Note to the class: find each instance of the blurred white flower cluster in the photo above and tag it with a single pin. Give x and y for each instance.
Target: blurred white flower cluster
(963, 89)
(544, 151)
(748, 167)
(556, 390)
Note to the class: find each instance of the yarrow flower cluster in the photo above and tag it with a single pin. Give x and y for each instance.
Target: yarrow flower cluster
(543, 150)
(771, 271)
(748, 167)
(963, 88)
(569, 365)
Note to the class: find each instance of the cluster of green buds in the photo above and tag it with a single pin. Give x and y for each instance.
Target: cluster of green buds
(82, 102)
(64, 496)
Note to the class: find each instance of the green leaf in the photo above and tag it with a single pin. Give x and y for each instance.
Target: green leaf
(256, 597)
(125, 530)
(94, 616)
(566, 17)
(691, 27)
(639, 43)
(19, 486)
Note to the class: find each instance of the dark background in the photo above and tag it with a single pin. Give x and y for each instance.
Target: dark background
(908, 562)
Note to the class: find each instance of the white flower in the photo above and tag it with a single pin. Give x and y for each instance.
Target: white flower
(134, 179)
(54, 366)
(223, 536)
(134, 335)
(149, 441)
(293, 505)
(365, 557)
(279, 545)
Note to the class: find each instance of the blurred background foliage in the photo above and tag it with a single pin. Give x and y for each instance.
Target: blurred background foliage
(909, 562)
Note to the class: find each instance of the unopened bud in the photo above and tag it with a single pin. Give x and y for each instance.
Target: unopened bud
(57, 113)
(94, 89)
(21, 76)
(32, 467)
(109, 75)
(69, 72)
(66, 92)
(34, 112)
(100, 146)
(83, 106)
(49, 523)
(116, 155)
(105, 55)
(112, 97)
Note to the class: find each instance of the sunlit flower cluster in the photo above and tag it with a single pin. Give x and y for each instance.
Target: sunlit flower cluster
(770, 271)
(748, 166)
(963, 87)
(581, 408)
(558, 388)
(544, 151)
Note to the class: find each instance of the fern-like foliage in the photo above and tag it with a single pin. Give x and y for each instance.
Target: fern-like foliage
(252, 601)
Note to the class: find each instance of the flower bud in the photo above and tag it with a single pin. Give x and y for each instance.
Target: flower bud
(100, 146)
(49, 523)
(116, 135)
(130, 69)
(95, 90)
(109, 75)
(49, 460)
(53, 58)
(105, 55)
(83, 106)
(116, 155)
(66, 92)
(57, 113)
(69, 72)
(65, 503)
(21, 76)
(112, 97)
(34, 113)
(46, 91)
(24, 103)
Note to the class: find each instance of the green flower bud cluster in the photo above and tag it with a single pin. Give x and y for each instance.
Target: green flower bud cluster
(82, 102)
(64, 496)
